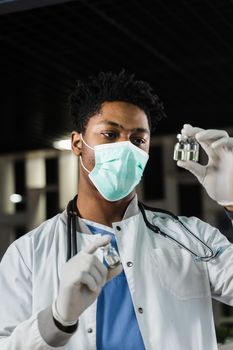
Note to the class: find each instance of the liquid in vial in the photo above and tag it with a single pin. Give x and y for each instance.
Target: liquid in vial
(192, 150)
(180, 148)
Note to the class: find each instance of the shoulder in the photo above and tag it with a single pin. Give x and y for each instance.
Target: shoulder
(200, 228)
(45, 230)
(41, 239)
(164, 216)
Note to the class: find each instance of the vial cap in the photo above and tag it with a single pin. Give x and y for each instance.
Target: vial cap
(181, 137)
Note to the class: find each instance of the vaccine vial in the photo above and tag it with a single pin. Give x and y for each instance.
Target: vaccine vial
(192, 150)
(111, 256)
(180, 148)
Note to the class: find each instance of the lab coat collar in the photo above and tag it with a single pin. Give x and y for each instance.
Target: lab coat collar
(131, 210)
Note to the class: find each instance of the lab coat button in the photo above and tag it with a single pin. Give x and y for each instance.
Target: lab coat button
(118, 228)
(129, 264)
(90, 330)
(140, 309)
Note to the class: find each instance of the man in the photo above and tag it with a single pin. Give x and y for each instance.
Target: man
(159, 297)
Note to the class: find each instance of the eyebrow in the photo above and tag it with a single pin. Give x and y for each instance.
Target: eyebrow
(109, 122)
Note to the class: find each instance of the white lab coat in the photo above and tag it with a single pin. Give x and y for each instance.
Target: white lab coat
(173, 292)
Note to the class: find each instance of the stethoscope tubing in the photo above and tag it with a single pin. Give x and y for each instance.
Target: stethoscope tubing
(72, 238)
(157, 230)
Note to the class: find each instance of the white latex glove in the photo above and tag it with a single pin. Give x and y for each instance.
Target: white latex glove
(82, 279)
(217, 175)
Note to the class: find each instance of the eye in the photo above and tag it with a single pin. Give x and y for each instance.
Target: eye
(109, 135)
(138, 141)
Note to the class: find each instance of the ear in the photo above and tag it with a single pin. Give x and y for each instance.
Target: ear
(76, 143)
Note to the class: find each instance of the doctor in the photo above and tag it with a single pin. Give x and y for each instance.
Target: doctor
(158, 297)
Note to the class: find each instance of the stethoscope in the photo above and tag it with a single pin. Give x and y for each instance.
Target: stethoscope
(72, 238)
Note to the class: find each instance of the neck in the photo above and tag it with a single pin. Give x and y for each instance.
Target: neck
(92, 206)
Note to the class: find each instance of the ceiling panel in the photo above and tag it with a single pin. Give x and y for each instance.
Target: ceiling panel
(183, 49)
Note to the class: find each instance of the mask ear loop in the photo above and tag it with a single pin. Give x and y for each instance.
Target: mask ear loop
(81, 160)
(86, 143)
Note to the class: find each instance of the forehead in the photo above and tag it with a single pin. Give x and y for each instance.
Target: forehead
(123, 113)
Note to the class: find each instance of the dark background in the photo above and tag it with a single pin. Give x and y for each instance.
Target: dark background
(184, 49)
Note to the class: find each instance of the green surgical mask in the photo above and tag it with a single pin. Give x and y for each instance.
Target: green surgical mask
(118, 168)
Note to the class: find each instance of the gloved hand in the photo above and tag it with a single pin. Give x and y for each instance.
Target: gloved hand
(82, 278)
(217, 175)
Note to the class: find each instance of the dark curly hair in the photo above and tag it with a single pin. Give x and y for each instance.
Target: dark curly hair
(89, 95)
